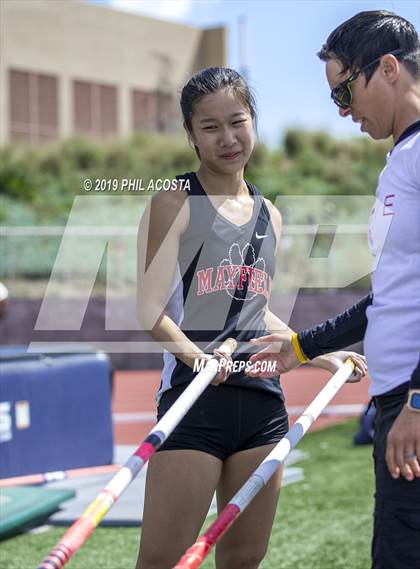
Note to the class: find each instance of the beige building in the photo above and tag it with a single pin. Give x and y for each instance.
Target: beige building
(73, 68)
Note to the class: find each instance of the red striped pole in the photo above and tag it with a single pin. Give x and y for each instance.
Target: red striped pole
(35, 479)
(79, 532)
(196, 554)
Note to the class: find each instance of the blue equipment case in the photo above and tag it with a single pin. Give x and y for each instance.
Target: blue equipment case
(55, 412)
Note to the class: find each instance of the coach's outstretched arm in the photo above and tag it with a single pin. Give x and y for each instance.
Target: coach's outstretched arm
(289, 349)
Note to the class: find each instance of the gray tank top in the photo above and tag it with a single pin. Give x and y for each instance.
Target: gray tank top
(224, 281)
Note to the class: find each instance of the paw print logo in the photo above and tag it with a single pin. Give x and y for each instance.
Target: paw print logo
(236, 262)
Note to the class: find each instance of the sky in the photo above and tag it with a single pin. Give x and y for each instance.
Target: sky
(282, 38)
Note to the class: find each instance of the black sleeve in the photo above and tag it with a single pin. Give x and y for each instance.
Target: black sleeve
(337, 333)
(415, 377)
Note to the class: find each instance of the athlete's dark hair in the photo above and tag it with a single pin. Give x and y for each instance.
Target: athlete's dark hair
(211, 80)
(369, 35)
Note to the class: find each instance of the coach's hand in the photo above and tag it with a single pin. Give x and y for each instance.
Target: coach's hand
(276, 348)
(403, 445)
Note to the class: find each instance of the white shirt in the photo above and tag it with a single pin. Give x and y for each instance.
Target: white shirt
(392, 340)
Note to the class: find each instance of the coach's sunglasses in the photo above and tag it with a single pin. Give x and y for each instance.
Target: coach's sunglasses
(342, 95)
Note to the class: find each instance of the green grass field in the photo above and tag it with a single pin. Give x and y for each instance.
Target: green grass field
(324, 522)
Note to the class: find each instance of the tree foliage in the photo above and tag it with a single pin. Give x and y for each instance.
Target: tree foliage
(47, 179)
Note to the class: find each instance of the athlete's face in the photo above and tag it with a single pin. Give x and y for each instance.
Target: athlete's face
(222, 129)
(371, 106)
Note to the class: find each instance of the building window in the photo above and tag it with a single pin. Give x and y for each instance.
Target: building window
(143, 110)
(152, 111)
(95, 109)
(33, 107)
(164, 112)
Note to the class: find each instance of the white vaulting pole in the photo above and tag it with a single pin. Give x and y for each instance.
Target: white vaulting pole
(78, 533)
(196, 554)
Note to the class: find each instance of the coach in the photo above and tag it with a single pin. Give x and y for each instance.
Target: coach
(373, 69)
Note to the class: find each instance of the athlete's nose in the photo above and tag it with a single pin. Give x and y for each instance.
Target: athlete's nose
(227, 138)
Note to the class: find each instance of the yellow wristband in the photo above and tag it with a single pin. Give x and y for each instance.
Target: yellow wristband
(298, 350)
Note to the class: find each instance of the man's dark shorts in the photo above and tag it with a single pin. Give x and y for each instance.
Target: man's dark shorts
(396, 539)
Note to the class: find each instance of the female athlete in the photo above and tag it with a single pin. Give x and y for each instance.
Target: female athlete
(207, 258)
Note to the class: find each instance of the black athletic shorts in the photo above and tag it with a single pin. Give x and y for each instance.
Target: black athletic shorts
(226, 419)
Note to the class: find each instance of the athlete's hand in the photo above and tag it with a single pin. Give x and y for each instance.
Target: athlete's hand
(403, 445)
(333, 361)
(226, 365)
(276, 348)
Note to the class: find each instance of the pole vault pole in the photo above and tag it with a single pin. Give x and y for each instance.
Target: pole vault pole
(196, 554)
(78, 533)
(37, 479)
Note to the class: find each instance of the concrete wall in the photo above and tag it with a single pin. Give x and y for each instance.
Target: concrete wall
(76, 40)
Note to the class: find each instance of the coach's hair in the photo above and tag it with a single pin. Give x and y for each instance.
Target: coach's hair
(369, 35)
(211, 80)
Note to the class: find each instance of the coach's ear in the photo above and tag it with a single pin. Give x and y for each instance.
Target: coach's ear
(390, 68)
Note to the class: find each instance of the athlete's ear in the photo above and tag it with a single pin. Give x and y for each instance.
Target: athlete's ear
(191, 140)
(189, 133)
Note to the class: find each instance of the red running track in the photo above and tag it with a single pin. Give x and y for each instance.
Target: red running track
(134, 400)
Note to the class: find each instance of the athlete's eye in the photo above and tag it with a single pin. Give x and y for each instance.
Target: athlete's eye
(211, 127)
(239, 122)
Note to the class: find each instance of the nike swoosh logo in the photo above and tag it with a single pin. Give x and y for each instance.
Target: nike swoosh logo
(260, 236)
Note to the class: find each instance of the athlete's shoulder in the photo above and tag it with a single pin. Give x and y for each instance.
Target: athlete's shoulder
(275, 217)
(273, 211)
(177, 193)
(168, 206)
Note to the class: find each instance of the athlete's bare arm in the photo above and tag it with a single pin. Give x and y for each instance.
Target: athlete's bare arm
(160, 230)
(161, 227)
